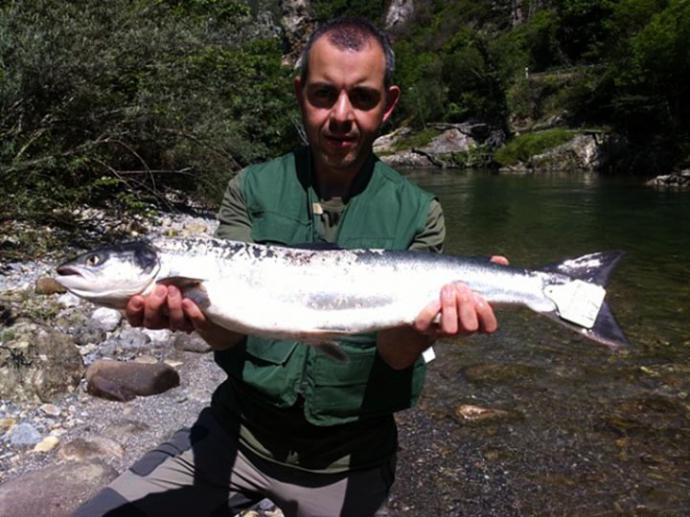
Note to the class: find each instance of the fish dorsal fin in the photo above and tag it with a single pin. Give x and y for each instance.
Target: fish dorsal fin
(594, 268)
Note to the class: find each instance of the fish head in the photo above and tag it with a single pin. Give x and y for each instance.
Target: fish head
(110, 275)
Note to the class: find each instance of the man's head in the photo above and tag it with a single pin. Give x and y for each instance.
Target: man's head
(345, 92)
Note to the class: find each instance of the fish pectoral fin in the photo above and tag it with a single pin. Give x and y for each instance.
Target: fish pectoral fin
(180, 281)
(192, 288)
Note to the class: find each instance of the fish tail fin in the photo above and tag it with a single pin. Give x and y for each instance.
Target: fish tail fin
(595, 268)
(581, 304)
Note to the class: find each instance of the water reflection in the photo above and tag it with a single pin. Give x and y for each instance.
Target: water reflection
(598, 432)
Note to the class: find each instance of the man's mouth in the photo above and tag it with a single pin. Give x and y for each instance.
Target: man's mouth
(341, 141)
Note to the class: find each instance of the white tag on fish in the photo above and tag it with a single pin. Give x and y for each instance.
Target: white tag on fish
(429, 355)
(577, 301)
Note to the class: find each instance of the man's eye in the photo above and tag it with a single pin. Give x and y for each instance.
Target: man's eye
(323, 97)
(364, 99)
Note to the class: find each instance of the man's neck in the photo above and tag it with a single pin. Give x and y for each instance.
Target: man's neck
(332, 183)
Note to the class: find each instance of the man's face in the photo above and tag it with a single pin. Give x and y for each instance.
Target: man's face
(344, 102)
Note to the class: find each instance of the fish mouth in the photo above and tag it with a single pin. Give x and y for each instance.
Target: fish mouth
(67, 271)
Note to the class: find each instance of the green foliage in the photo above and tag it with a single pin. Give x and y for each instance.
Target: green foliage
(328, 9)
(114, 102)
(522, 147)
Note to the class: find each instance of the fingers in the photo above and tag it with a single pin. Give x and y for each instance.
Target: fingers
(461, 312)
(134, 311)
(500, 259)
(162, 309)
(426, 319)
(154, 315)
(176, 316)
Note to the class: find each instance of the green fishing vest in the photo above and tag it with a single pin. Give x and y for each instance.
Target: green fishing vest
(385, 211)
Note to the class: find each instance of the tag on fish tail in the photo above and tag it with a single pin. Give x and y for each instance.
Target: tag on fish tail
(577, 301)
(333, 350)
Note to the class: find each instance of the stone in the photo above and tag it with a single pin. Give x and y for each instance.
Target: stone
(398, 14)
(50, 410)
(105, 319)
(24, 435)
(47, 285)
(123, 381)
(38, 364)
(450, 141)
(191, 343)
(133, 338)
(62, 488)
(6, 424)
(159, 337)
(473, 414)
(95, 447)
(47, 444)
(68, 300)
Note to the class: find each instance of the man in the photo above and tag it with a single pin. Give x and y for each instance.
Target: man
(315, 436)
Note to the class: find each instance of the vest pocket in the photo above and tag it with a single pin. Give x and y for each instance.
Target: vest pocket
(270, 227)
(270, 351)
(366, 386)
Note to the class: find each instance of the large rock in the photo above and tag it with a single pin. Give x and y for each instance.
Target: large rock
(116, 380)
(678, 180)
(55, 491)
(399, 13)
(583, 152)
(37, 363)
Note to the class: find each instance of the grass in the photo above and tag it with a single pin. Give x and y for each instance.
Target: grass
(523, 147)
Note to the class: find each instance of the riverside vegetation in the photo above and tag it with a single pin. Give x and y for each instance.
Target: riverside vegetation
(113, 103)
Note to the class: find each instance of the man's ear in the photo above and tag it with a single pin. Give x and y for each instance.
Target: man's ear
(392, 98)
(299, 93)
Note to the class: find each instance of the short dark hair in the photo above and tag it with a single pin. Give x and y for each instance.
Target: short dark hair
(349, 32)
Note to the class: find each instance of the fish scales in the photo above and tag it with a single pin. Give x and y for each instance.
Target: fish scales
(316, 294)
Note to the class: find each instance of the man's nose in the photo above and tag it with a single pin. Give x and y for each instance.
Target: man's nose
(342, 112)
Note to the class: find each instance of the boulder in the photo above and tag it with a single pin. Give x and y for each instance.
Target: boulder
(677, 180)
(123, 381)
(38, 364)
(55, 491)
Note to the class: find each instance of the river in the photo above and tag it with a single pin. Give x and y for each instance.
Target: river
(582, 430)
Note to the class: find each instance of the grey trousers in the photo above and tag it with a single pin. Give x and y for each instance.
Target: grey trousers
(201, 472)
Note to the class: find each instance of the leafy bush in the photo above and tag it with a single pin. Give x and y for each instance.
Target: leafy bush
(101, 98)
(522, 147)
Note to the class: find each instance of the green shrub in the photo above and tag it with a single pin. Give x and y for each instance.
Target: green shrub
(522, 147)
(114, 102)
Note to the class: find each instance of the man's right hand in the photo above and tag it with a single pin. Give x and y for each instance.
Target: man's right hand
(165, 308)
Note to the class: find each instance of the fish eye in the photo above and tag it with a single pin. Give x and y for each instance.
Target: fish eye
(93, 260)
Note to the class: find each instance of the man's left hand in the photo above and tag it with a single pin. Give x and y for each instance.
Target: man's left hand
(458, 311)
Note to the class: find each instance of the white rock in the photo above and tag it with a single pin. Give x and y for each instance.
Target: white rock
(105, 319)
(68, 300)
(159, 336)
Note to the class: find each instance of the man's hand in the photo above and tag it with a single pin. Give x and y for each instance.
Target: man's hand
(165, 308)
(457, 312)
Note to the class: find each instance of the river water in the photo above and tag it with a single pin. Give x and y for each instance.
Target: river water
(580, 430)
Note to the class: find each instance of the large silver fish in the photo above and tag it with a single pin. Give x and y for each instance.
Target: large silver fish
(316, 295)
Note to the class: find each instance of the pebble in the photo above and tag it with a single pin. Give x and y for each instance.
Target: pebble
(105, 319)
(24, 435)
(47, 444)
(47, 285)
(50, 410)
(68, 300)
(131, 338)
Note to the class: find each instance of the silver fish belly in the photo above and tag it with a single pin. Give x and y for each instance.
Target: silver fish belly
(315, 295)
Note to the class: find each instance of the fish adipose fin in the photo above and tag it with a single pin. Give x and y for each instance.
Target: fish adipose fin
(580, 302)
